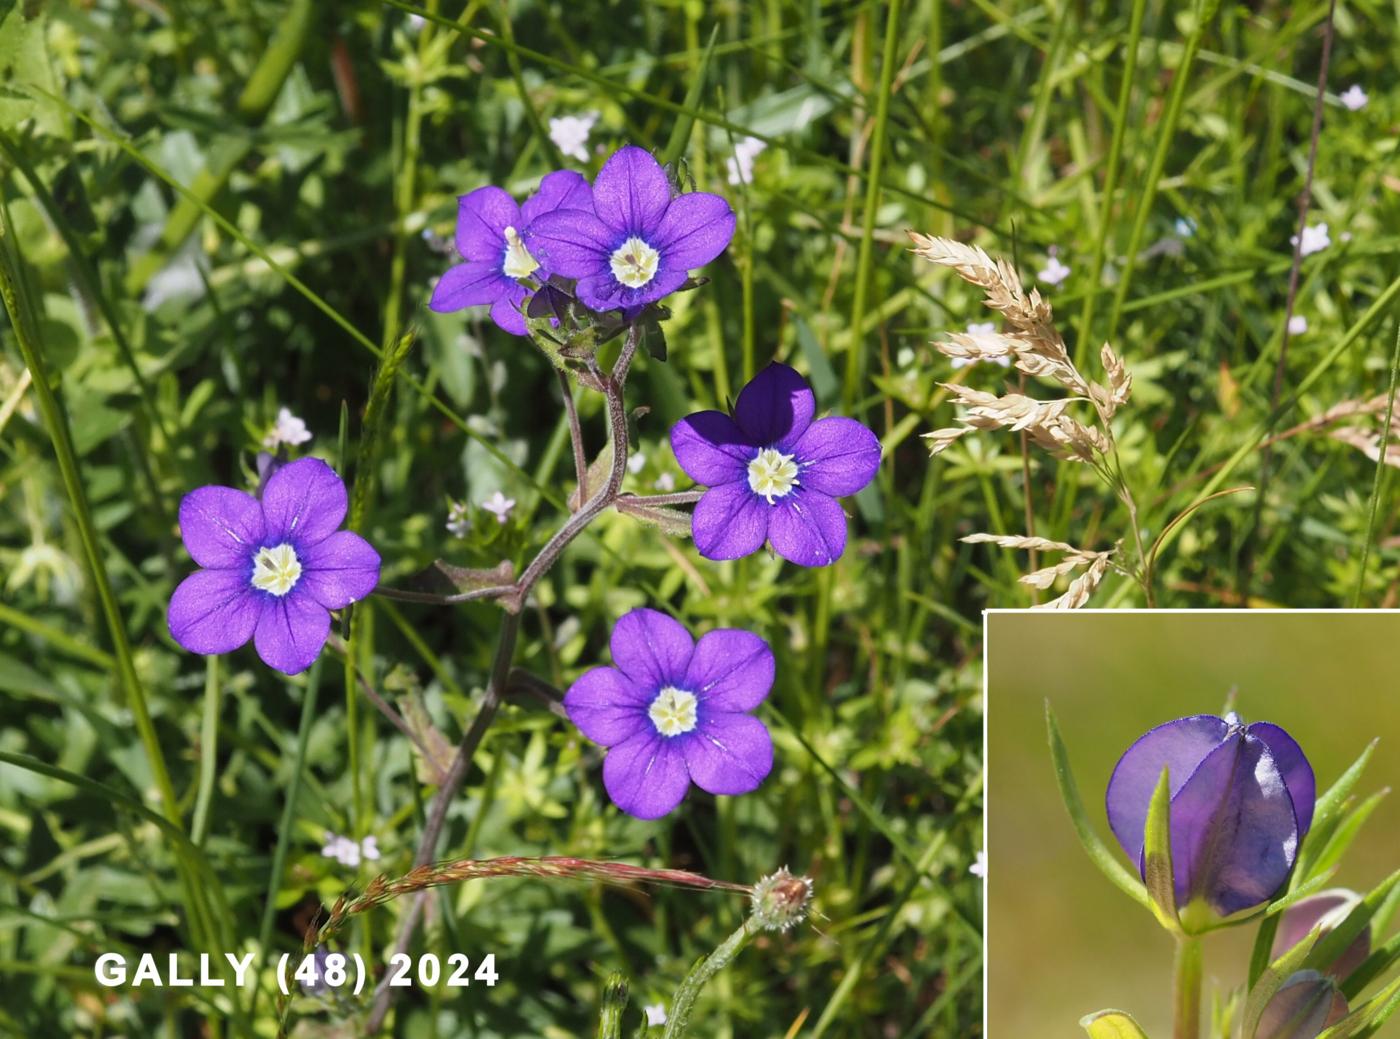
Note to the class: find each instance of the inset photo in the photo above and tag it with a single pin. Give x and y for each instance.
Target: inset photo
(1188, 827)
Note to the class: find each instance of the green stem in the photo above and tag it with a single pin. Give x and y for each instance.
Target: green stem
(1186, 994)
(208, 751)
(855, 358)
(1380, 474)
(679, 1018)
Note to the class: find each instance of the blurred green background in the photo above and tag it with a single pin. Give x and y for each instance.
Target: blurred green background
(1062, 942)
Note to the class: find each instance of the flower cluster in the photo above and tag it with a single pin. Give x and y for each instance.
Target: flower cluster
(626, 241)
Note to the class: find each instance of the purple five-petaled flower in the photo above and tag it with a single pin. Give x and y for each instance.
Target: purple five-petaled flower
(773, 474)
(635, 243)
(273, 568)
(490, 237)
(671, 710)
(1241, 801)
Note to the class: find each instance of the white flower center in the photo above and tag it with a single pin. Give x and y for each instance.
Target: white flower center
(634, 263)
(276, 570)
(518, 263)
(772, 474)
(673, 711)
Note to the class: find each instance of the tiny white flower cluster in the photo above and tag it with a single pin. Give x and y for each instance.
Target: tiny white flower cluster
(1355, 98)
(1297, 325)
(458, 520)
(656, 1014)
(979, 867)
(288, 429)
(1315, 239)
(348, 852)
(499, 506)
(570, 134)
(1055, 271)
(740, 164)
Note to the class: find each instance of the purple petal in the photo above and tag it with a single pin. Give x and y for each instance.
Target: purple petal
(731, 670)
(571, 242)
(508, 315)
(1328, 908)
(729, 521)
(562, 189)
(607, 706)
(646, 775)
(213, 611)
(710, 448)
(1293, 765)
(1233, 829)
(291, 632)
(342, 569)
(470, 284)
(696, 228)
(631, 192)
(1179, 746)
(303, 502)
(837, 456)
(651, 648)
(604, 292)
(729, 753)
(808, 528)
(482, 218)
(221, 526)
(776, 405)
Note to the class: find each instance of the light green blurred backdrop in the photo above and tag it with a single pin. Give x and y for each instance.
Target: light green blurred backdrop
(1063, 942)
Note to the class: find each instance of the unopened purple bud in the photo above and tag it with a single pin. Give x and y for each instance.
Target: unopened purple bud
(1303, 1008)
(1326, 909)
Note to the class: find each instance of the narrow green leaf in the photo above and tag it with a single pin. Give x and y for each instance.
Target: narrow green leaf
(1273, 978)
(1346, 831)
(674, 522)
(1098, 852)
(614, 1003)
(1157, 854)
(1367, 1019)
(1111, 1024)
(1331, 801)
(680, 131)
(1339, 939)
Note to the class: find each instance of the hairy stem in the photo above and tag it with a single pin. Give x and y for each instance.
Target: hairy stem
(575, 435)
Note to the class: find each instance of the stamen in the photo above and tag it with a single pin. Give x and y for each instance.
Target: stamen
(634, 263)
(773, 474)
(673, 711)
(276, 570)
(518, 262)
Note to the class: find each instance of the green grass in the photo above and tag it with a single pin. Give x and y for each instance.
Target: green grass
(299, 152)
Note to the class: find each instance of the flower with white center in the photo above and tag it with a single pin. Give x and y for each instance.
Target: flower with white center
(634, 263)
(740, 164)
(636, 463)
(499, 506)
(656, 1014)
(276, 569)
(1297, 325)
(1355, 98)
(570, 134)
(1315, 239)
(772, 474)
(665, 482)
(458, 521)
(1054, 271)
(288, 429)
(369, 848)
(349, 852)
(673, 711)
(979, 867)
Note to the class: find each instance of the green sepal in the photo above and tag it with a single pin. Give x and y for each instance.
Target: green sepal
(1093, 845)
(1111, 1024)
(1157, 869)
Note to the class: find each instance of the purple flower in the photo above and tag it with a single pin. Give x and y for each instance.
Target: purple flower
(273, 568)
(490, 230)
(1241, 801)
(671, 710)
(1305, 1006)
(774, 474)
(636, 243)
(1327, 909)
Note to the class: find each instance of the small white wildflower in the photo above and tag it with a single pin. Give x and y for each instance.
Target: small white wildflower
(665, 482)
(979, 868)
(1315, 239)
(369, 848)
(1184, 227)
(499, 506)
(1355, 98)
(1297, 325)
(288, 429)
(1055, 271)
(740, 164)
(636, 463)
(458, 521)
(342, 849)
(656, 1014)
(570, 134)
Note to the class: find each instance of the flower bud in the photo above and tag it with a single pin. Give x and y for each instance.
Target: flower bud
(1303, 1008)
(1241, 800)
(780, 901)
(1326, 909)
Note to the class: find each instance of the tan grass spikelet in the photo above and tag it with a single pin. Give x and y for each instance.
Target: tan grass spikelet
(1368, 443)
(1079, 590)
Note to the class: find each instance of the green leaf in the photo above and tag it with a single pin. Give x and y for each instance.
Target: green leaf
(1272, 980)
(1093, 845)
(442, 578)
(1111, 1024)
(1331, 801)
(1347, 828)
(680, 132)
(614, 1003)
(1157, 854)
(1339, 939)
(674, 522)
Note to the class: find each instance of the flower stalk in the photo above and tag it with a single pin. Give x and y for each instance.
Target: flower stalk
(1186, 998)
